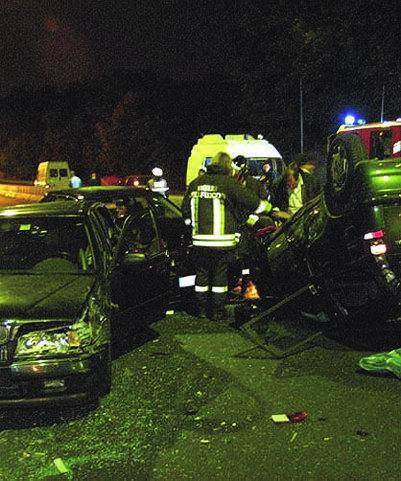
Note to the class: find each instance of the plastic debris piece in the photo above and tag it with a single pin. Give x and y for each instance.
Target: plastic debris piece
(205, 441)
(61, 467)
(293, 437)
(170, 312)
(298, 417)
(280, 418)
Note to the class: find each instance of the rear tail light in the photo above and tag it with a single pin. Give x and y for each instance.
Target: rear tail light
(377, 234)
(378, 249)
(377, 245)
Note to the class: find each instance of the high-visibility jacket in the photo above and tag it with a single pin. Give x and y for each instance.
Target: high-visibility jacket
(216, 204)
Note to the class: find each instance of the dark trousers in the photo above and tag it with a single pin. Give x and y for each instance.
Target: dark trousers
(211, 282)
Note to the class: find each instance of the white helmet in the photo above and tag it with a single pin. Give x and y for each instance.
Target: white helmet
(157, 172)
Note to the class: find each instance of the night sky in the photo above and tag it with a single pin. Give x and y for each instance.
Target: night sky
(59, 41)
(344, 50)
(64, 41)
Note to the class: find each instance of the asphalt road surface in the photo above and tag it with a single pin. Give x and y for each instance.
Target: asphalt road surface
(192, 400)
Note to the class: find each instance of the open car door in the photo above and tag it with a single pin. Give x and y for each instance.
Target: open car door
(141, 266)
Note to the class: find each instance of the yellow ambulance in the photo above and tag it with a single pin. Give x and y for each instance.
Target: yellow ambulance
(257, 152)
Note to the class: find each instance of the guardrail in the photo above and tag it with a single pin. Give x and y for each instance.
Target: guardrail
(21, 190)
(30, 193)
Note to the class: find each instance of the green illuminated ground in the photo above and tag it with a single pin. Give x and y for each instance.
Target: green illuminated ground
(184, 406)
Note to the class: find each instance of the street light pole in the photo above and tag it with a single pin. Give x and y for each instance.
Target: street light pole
(301, 114)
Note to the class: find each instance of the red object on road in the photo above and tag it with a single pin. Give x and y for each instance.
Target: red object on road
(298, 417)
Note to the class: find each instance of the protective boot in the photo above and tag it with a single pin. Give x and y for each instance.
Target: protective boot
(202, 299)
(218, 307)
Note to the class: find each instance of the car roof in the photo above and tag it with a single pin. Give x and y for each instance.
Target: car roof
(137, 175)
(96, 192)
(373, 125)
(57, 208)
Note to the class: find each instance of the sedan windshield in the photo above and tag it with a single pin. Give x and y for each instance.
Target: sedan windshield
(45, 245)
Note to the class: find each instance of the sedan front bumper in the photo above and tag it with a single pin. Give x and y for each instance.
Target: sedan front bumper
(49, 382)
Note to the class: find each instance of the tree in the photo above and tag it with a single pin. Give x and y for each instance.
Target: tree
(19, 156)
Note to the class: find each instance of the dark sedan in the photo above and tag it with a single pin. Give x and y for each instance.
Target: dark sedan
(346, 241)
(62, 281)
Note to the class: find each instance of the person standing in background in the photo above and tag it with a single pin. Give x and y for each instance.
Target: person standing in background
(94, 180)
(244, 177)
(294, 189)
(75, 181)
(157, 183)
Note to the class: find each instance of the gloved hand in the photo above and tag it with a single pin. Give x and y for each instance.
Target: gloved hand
(264, 207)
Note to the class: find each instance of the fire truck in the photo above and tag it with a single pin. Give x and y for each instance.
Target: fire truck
(381, 140)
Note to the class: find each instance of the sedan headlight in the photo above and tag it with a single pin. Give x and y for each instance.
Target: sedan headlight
(66, 340)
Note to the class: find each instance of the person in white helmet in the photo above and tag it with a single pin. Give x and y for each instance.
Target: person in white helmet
(157, 183)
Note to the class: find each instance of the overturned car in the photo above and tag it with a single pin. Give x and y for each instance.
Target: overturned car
(346, 242)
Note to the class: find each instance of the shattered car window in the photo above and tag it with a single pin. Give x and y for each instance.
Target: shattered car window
(54, 245)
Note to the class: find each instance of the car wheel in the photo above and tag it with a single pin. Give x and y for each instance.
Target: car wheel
(344, 153)
(104, 376)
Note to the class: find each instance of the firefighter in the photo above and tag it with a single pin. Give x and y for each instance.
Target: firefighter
(157, 183)
(246, 246)
(244, 177)
(214, 203)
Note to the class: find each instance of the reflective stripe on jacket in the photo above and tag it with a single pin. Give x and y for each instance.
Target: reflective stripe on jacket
(215, 203)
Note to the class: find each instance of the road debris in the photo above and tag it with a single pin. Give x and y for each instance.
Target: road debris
(296, 417)
(280, 418)
(61, 467)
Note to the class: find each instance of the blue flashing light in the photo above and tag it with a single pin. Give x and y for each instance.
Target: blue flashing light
(361, 122)
(349, 119)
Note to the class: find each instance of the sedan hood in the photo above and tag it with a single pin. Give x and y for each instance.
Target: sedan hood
(47, 296)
